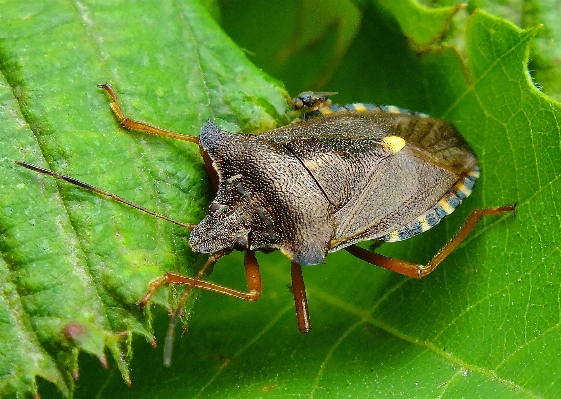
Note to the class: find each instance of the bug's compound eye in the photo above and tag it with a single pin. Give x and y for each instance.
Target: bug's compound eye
(214, 207)
(240, 243)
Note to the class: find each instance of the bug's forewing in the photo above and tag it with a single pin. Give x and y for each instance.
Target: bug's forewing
(398, 190)
(339, 166)
(372, 192)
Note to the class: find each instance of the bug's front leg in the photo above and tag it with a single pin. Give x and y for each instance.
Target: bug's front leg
(253, 278)
(128, 123)
(420, 271)
(252, 274)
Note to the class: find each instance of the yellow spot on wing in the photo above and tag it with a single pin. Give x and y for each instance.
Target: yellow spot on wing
(393, 143)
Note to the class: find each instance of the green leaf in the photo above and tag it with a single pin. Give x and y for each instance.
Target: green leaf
(73, 264)
(545, 52)
(304, 47)
(422, 25)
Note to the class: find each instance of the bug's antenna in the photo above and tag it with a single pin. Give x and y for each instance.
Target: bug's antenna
(103, 192)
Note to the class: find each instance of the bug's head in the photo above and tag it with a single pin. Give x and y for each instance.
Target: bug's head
(230, 217)
(224, 227)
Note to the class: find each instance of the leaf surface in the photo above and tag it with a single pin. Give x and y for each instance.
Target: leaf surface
(73, 264)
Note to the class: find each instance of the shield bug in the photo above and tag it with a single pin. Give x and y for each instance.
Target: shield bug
(338, 176)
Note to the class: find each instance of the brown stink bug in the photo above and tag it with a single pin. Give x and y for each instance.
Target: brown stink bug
(338, 176)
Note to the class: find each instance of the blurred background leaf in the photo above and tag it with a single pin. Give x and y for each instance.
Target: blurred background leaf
(485, 324)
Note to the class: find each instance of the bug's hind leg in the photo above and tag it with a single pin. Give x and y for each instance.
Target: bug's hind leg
(128, 123)
(419, 271)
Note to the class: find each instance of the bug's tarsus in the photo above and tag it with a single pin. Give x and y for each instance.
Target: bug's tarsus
(514, 207)
(131, 124)
(99, 191)
(152, 288)
(419, 271)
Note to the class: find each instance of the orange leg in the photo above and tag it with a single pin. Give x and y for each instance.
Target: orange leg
(128, 123)
(419, 271)
(141, 126)
(300, 300)
(252, 274)
(253, 278)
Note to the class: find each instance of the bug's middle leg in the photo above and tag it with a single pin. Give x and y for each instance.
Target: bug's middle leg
(300, 300)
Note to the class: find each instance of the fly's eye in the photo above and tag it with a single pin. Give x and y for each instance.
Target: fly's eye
(240, 243)
(297, 103)
(214, 207)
